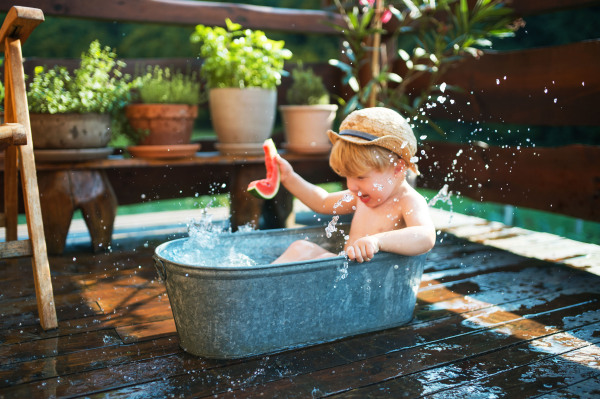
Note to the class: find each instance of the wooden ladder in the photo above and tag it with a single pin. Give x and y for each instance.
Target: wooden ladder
(15, 139)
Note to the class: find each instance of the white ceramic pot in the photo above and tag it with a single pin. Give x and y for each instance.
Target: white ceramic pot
(306, 127)
(70, 131)
(242, 118)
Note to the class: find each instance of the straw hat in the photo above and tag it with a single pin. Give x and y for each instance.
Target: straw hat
(381, 127)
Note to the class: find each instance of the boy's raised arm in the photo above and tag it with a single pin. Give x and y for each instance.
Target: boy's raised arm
(315, 197)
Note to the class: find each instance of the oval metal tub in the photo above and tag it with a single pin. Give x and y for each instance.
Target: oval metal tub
(238, 311)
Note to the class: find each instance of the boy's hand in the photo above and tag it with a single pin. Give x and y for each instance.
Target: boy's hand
(363, 249)
(285, 169)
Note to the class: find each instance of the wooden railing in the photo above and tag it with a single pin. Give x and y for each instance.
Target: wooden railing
(565, 180)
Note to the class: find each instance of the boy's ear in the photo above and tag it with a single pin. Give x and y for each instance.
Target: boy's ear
(400, 166)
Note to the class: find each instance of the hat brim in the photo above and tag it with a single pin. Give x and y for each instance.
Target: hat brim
(392, 143)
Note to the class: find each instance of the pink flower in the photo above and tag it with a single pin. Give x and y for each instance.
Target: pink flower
(387, 14)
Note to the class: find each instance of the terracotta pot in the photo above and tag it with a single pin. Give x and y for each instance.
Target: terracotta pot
(166, 123)
(242, 118)
(306, 126)
(70, 131)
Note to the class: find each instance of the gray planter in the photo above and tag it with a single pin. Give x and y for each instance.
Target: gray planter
(70, 131)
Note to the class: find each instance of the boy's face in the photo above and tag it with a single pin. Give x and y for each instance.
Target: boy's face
(375, 187)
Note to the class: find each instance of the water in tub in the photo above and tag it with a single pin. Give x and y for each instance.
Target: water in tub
(207, 237)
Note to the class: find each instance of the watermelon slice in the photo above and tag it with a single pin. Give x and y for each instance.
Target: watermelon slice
(268, 187)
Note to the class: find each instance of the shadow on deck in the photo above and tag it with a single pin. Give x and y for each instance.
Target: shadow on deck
(488, 322)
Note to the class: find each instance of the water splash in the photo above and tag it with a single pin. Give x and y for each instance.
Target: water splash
(206, 236)
(331, 226)
(443, 196)
(202, 232)
(345, 198)
(343, 272)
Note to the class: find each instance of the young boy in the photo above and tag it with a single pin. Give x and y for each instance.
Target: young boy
(373, 151)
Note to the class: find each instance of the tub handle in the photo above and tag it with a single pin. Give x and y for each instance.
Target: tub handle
(160, 268)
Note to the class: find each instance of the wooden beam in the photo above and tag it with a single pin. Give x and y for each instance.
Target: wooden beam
(531, 7)
(563, 180)
(15, 249)
(550, 86)
(186, 12)
(19, 23)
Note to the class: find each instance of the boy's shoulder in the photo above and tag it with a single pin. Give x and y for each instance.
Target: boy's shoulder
(411, 196)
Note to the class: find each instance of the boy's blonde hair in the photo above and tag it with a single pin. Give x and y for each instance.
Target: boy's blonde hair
(350, 160)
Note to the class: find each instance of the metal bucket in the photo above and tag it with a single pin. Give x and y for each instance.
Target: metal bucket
(232, 312)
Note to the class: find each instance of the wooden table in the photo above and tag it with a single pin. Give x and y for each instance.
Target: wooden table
(97, 186)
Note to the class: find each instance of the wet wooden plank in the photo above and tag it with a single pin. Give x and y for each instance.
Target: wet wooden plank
(585, 256)
(553, 374)
(51, 347)
(335, 367)
(85, 360)
(28, 317)
(471, 375)
(145, 331)
(406, 362)
(589, 388)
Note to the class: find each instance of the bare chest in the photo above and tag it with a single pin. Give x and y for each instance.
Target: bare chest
(369, 221)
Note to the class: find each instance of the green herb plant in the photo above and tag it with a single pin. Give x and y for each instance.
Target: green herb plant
(98, 85)
(239, 58)
(161, 86)
(306, 88)
(432, 35)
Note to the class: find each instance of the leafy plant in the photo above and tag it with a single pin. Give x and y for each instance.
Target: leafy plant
(433, 36)
(98, 85)
(307, 88)
(161, 86)
(236, 57)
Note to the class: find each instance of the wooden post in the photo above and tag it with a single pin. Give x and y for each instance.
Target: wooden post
(375, 65)
(17, 26)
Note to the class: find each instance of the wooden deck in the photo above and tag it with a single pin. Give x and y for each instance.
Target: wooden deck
(488, 323)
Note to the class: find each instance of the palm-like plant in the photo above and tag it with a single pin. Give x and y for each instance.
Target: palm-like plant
(433, 36)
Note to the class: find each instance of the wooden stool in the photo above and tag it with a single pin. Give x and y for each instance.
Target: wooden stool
(15, 139)
(64, 191)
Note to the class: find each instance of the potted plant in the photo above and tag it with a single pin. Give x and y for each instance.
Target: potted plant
(71, 112)
(242, 68)
(308, 115)
(163, 120)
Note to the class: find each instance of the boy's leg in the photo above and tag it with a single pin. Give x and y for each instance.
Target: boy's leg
(303, 250)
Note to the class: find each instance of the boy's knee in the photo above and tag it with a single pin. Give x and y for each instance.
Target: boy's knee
(302, 245)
